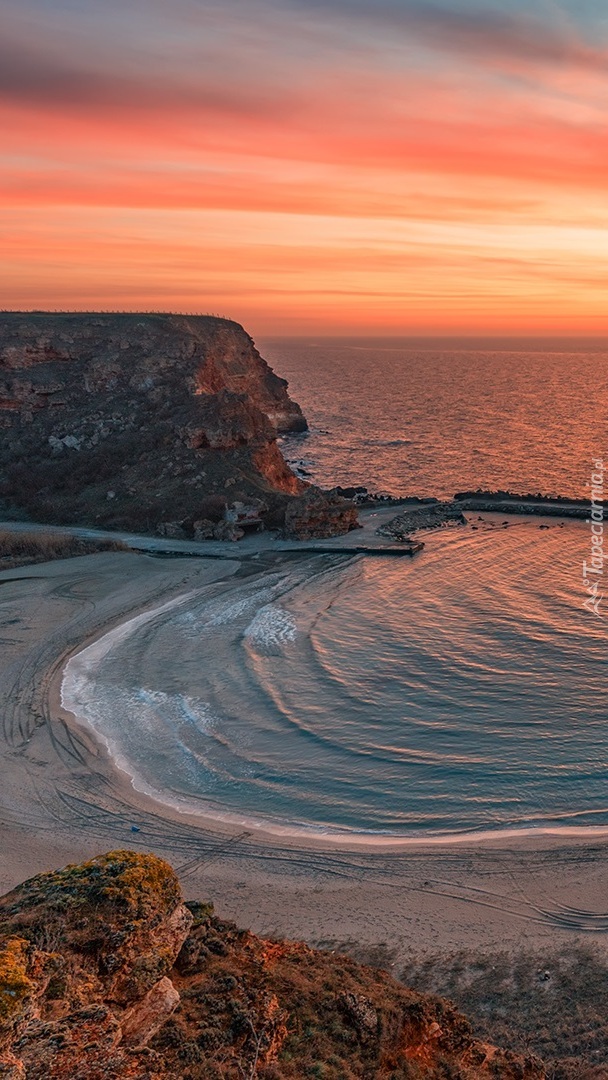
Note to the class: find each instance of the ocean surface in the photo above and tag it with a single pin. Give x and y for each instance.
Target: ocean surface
(433, 418)
(456, 693)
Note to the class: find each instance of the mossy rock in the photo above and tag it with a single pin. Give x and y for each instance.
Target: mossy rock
(15, 987)
(101, 909)
(201, 912)
(120, 885)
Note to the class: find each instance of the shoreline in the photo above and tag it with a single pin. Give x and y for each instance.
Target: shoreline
(371, 516)
(64, 800)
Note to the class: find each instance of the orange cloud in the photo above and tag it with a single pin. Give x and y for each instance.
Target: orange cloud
(438, 169)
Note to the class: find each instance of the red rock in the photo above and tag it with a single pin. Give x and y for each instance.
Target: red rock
(319, 514)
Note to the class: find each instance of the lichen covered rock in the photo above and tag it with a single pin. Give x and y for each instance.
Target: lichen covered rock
(15, 986)
(79, 948)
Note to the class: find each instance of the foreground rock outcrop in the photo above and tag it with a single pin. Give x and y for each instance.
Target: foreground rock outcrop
(106, 974)
(140, 422)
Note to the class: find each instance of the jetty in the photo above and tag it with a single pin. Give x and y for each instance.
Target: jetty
(396, 550)
(362, 541)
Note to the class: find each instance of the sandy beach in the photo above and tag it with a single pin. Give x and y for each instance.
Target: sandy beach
(63, 800)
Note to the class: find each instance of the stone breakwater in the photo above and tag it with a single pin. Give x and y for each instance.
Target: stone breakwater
(146, 422)
(425, 517)
(537, 509)
(439, 514)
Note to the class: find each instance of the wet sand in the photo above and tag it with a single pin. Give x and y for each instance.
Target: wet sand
(62, 800)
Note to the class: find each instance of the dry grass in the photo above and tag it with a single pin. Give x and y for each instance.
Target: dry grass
(378, 956)
(277, 1010)
(22, 548)
(553, 1004)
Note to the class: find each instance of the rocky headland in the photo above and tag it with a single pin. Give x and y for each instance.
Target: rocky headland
(150, 423)
(106, 974)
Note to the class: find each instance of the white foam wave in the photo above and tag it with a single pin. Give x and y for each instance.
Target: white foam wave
(177, 708)
(272, 626)
(222, 612)
(231, 612)
(82, 663)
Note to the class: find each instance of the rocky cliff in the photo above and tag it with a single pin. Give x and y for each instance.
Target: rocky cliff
(105, 974)
(132, 421)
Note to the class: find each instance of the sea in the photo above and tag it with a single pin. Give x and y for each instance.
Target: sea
(436, 416)
(456, 694)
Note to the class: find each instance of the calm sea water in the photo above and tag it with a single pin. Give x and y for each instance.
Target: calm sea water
(424, 418)
(461, 691)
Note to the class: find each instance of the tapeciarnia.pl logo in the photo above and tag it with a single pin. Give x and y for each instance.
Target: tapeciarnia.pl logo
(593, 571)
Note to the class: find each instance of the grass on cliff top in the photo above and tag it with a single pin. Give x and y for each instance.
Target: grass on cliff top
(21, 548)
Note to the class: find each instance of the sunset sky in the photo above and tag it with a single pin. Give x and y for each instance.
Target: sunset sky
(309, 166)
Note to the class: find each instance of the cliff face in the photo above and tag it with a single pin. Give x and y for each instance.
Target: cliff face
(135, 353)
(134, 420)
(105, 974)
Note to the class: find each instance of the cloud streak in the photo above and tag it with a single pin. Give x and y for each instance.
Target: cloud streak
(282, 156)
(269, 73)
(31, 77)
(485, 34)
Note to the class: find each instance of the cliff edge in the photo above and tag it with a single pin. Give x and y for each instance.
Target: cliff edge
(105, 974)
(143, 422)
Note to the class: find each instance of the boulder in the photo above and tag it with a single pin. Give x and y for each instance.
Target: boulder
(141, 1022)
(226, 530)
(319, 514)
(173, 530)
(84, 959)
(362, 1014)
(203, 530)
